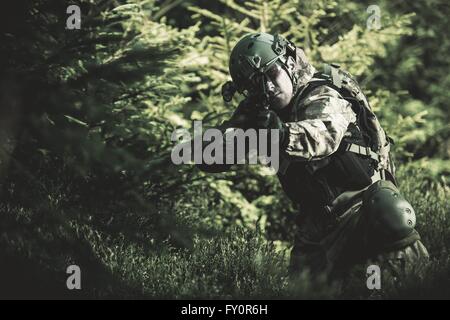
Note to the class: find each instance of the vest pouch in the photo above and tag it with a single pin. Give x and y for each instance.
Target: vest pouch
(349, 171)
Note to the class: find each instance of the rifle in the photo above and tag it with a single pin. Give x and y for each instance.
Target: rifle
(255, 103)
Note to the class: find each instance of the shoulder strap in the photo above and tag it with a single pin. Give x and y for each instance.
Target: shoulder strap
(329, 77)
(349, 89)
(331, 73)
(380, 149)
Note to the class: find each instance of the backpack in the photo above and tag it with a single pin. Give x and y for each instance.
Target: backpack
(378, 146)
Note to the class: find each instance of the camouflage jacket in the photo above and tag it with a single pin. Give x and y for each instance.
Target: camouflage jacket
(317, 124)
(318, 121)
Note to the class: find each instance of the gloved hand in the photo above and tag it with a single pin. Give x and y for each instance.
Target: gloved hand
(268, 119)
(248, 117)
(243, 116)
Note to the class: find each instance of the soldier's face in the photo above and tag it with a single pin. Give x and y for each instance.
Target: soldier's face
(279, 86)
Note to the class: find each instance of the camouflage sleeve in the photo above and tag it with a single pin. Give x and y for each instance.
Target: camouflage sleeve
(325, 118)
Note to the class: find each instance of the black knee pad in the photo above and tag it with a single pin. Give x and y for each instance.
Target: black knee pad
(388, 217)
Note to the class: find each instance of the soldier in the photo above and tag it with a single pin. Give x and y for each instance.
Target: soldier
(335, 161)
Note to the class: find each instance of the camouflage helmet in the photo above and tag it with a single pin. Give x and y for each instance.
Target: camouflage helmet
(255, 53)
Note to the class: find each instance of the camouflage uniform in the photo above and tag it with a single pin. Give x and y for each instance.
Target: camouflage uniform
(332, 241)
(335, 165)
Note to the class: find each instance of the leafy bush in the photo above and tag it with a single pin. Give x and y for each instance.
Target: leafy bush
(86, 119)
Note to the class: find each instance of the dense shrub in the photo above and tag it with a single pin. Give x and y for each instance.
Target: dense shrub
(86, 118)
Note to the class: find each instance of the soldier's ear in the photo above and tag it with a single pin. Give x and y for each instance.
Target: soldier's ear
(291, 63)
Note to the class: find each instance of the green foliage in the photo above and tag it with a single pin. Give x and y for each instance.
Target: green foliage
(98, 120)
(86, 118)
(121, 257)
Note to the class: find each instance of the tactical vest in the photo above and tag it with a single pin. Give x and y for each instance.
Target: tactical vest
(361, 159)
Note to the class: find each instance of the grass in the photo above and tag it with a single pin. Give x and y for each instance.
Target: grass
(37, 245)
